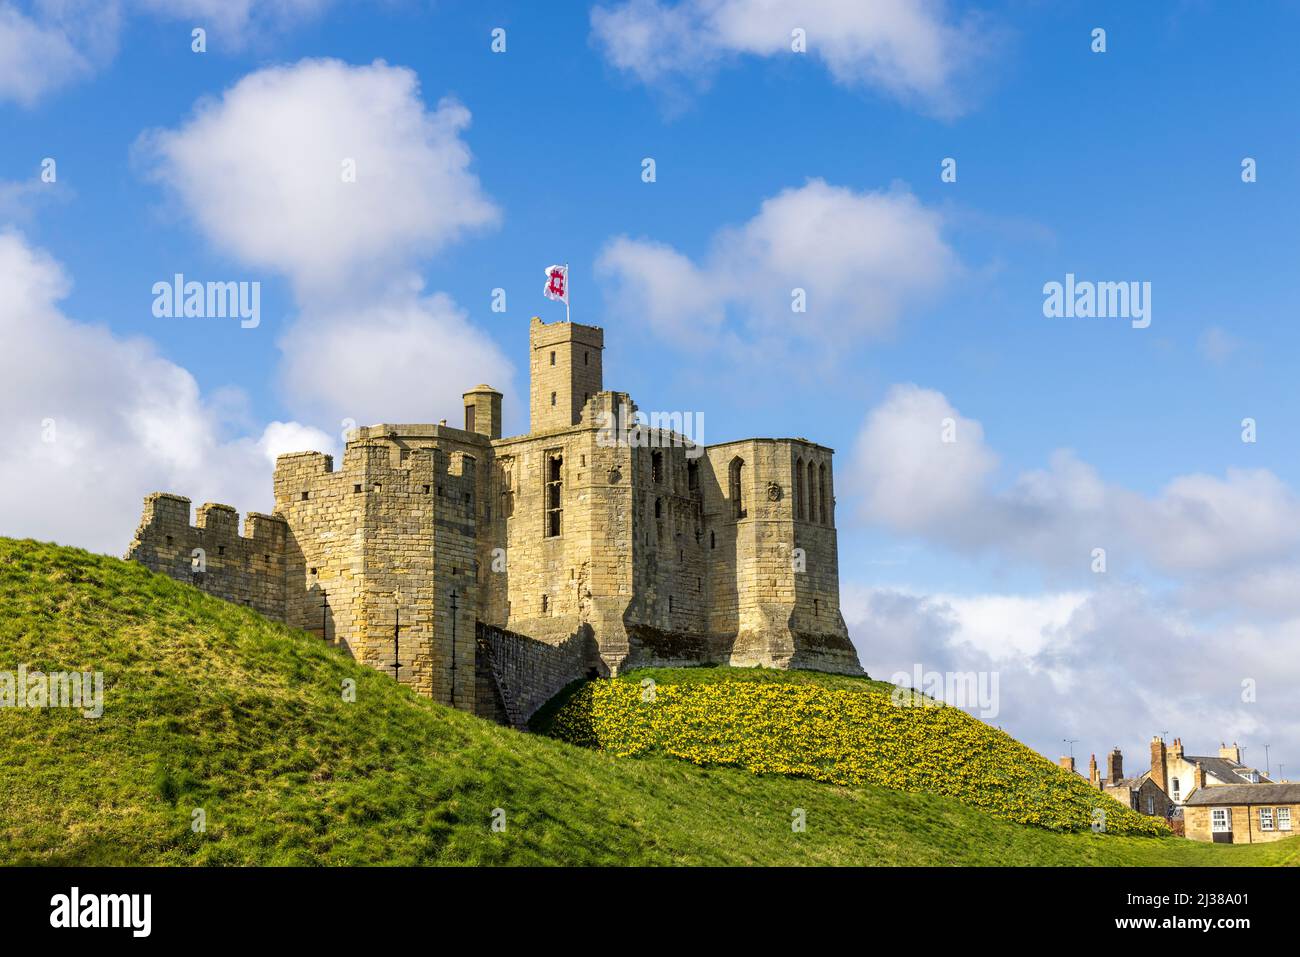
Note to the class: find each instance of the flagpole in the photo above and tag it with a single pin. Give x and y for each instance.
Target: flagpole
(567, 292)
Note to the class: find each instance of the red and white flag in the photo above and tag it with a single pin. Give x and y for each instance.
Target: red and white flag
(557, 283)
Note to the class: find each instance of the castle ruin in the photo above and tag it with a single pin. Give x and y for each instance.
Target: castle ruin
(598, 542)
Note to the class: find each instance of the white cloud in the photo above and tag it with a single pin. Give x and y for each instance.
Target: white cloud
(36, 57)
(57, 42)
(861, 259)
(260, 172)
(909, 480)
(1108, 667)
(400, 360)
(913, 51)
(94, 422)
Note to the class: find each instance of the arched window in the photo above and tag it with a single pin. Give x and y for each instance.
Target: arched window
(800, 509)
(822, 500)
(812, 492)
(736, 487)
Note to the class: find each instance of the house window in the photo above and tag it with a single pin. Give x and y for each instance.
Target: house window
(656, 468)
(1151, 804)
(1284, 819)
(554, 488)
(1266, 819)
(1176, 789)
(1220, 820)
(800, 508)
(821, 495)
(736, 484)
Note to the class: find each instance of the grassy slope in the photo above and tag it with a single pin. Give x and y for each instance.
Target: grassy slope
(208, 705)
(834, 729)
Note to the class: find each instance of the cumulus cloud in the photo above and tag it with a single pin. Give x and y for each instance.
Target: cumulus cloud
(859, 257)
(95, 421)
(916, 52)
(908, 478)
(1108, 667)
(49, 44)
(265, 171)
(38, 54)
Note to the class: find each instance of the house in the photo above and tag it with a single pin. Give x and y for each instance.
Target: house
(1175, 773)
(1241, 813)
(1139, 793)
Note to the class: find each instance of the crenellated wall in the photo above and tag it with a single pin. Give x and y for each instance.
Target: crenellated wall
(211, 554)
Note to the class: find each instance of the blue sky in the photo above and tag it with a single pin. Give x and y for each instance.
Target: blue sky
(1116, 166)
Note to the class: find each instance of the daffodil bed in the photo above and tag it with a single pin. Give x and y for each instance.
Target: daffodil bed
(837, 733)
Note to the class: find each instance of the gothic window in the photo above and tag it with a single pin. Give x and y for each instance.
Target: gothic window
(800, 506)
(656, 467)
(659, 508)
(554, 488)
(822, 500)
(812, 492)
(736, 485)
(692, 476)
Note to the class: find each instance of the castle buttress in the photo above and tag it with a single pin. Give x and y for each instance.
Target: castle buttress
(592, 544)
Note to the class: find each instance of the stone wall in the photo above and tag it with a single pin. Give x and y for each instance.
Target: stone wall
(527, 673)
(211, 554)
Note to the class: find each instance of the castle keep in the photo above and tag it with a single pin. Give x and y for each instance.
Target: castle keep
(507, 567)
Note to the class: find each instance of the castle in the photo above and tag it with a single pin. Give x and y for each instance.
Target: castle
(489, 572)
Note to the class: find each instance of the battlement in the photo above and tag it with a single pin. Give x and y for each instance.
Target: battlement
(211, 553)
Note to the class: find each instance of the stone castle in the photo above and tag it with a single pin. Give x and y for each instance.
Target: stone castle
(489, 572)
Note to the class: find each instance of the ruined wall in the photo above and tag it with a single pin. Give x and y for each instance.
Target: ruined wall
(527, 672)
(211, 554)
(770, 604)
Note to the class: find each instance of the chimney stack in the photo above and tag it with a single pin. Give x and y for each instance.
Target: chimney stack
(1094, 778)
(1114, 766)
(1176, 750)
(1067, 763)
(1198, 779)
(1230, 753)
(1159, 764)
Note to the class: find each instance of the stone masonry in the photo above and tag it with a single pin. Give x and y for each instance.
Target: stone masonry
(601, 540)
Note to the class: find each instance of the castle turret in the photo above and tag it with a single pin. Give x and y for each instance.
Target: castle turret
(564, 371)
(483, 411)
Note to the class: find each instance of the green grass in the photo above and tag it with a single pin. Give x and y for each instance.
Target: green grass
(210, 706)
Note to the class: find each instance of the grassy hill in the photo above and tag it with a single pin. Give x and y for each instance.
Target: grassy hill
(210, 706)
(837, 729)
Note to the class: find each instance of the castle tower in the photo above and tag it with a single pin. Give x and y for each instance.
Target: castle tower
(483, 411)
(564, 371)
